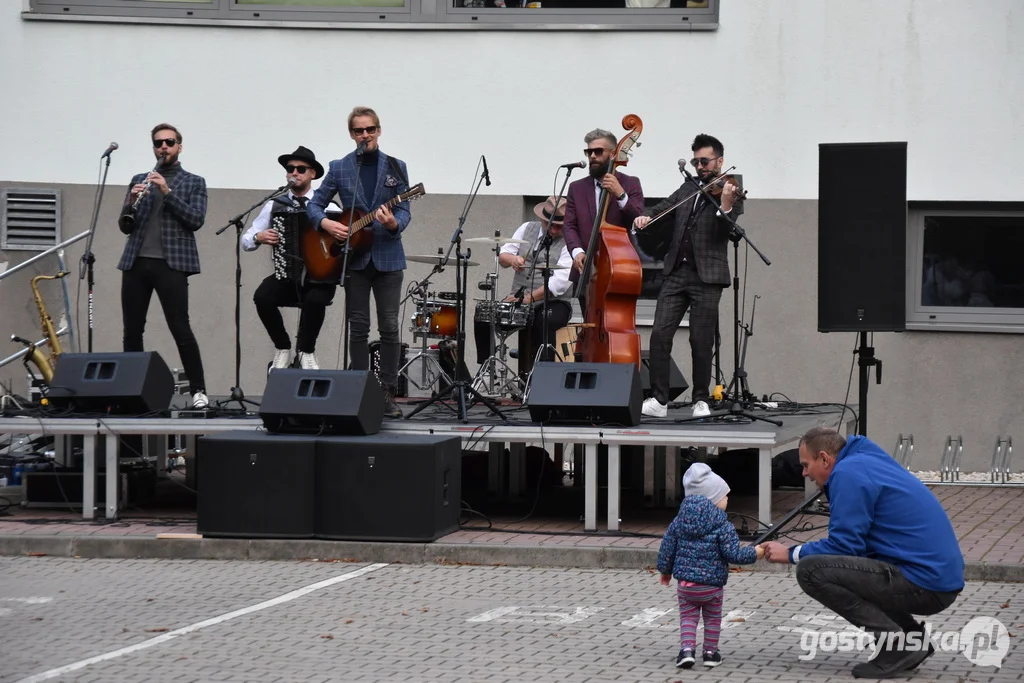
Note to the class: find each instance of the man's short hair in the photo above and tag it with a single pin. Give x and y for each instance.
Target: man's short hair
(363, 111)
(166, 126)
(601, 133)
(704, 140)
(825, 439)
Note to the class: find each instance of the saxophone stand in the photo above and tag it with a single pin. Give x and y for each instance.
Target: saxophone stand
(237, 395)
(462, 385)
(738, 399)
(88, 259)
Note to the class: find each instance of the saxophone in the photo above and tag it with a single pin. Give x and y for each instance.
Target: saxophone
(45, 364)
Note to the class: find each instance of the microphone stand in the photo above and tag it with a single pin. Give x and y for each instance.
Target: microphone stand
(237, 395)
(737, 405)
(360, 154)
(88, 259)
(461, 385)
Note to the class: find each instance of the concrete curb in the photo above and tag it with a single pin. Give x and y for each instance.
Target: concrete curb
(594, 557)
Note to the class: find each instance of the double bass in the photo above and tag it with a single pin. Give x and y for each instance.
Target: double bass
(612, 277)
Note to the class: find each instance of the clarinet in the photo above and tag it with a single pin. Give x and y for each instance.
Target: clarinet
(133, 210)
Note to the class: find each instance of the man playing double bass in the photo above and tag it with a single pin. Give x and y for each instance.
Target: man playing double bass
(627, 197)
(695, 273)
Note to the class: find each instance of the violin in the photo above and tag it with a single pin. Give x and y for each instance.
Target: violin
(718, 185)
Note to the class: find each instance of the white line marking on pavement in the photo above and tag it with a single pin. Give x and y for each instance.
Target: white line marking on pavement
(652, 617)
(28, 601)
(534, 615)
(171, 635)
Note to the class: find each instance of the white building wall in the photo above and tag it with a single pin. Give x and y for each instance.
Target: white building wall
(774, 81)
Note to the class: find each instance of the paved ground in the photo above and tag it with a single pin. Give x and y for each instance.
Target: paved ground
(181, 621)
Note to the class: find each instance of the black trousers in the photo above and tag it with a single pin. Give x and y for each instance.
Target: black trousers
(312, 299)
(148, 275)
(386, 287)
(869, 593)
(682, 289)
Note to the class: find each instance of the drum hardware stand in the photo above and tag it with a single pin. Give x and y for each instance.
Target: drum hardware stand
(420, 288)
(495, 365)
(237, 395)
(461, 386)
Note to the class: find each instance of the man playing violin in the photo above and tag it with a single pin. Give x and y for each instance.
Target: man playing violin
(368, 178)
(695, 273)
(582, 200)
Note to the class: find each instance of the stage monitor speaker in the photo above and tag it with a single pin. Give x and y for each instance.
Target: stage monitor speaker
(117, 383)
(388, 487)
(586, 393)
(322, 402)
(676, 382)
(255, 485)
(862, 237)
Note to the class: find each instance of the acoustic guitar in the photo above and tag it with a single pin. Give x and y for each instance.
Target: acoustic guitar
(323, 253)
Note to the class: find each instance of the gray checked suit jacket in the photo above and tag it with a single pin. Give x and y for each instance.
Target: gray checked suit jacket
(710, 235)
(184, 212)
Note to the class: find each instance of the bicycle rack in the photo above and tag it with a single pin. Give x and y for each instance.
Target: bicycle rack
(951, 457)
(904, 451)
(999, 471)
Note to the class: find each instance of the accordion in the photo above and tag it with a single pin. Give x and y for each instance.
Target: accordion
(287, 254)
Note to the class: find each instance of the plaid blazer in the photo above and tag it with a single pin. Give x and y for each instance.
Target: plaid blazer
(710, 235)
(184, 212)
(341, 179)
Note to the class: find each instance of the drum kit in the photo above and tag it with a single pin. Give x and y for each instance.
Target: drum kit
(435, 322)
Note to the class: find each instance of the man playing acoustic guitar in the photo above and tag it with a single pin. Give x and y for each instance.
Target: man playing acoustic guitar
(365, 178)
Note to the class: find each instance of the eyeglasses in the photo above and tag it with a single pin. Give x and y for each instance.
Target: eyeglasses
(595, 151)
(293, 169)
(170, 142)
(703, 161)
(359, 131)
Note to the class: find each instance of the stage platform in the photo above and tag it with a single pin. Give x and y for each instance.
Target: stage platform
(657, 436)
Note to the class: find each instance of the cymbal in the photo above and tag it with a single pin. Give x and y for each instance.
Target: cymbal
(436, 259)
(497, 240)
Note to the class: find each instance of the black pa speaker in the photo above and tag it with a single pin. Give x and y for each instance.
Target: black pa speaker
(862, 237)
(133, 383)
(255, 485)
(586, 393)
(388, 487)
(322, 402)
(677, 384)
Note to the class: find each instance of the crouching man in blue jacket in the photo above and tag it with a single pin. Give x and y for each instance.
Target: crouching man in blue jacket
(890, 552)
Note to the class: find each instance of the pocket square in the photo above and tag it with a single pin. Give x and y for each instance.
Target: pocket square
(390, 181)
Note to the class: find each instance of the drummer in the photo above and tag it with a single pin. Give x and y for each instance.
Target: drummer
(527, 255)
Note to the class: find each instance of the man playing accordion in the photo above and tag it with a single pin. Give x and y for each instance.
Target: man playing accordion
(280, 224)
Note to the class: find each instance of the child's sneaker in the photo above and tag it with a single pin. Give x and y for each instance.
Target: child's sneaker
(712, 659)
(685, 659)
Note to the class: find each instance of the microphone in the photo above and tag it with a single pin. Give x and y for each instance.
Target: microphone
(487, 175)
(682, 166)
(292, 182)
(111, 148)
(575, 164)
(361, 148)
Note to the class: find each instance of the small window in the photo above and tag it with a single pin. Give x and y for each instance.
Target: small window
(31, 219)
(964, 271)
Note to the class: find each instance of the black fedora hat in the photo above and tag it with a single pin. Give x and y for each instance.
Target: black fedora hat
(303, 154)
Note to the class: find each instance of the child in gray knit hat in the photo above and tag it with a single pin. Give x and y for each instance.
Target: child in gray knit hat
(697, 549)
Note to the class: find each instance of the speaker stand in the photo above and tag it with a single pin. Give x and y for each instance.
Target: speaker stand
(866, 359)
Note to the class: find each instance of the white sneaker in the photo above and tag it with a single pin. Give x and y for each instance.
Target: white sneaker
(701, 409)
(200, 401)
(654, 408)
(308, 361)
(282, 358)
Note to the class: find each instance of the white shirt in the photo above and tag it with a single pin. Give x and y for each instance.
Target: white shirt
(558, 283)
(597, 205)
(262, 221)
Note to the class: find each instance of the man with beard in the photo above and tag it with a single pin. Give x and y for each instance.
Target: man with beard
(695, 273)
(161, 253)
(627, 197)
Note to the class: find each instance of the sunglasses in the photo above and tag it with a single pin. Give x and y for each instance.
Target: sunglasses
(170, 142)
(359, 131)
(595, 151)
(293, 169)
(703, 161)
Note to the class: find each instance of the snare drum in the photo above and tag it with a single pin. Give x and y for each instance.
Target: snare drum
(435, 319)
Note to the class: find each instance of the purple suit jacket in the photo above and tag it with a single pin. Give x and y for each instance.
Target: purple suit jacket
(581, 210)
